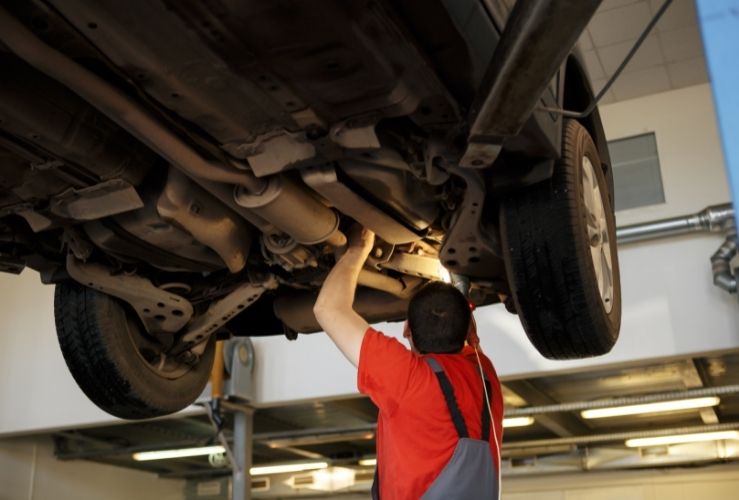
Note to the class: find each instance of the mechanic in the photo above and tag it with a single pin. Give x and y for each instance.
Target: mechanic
(435, 438)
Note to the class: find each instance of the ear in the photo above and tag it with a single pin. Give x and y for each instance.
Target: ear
(406, 330)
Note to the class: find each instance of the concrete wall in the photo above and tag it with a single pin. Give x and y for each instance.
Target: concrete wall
(670, 306)
(29, 471)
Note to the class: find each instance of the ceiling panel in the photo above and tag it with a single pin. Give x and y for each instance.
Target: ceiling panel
(593, 64)
(643, 82)
(688, 72)
(670, 58)
(649, 54)
(682, 43)
(681, 13)
(619, 24)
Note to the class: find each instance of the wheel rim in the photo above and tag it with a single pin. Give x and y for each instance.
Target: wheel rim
(150, 352)
(597, 233)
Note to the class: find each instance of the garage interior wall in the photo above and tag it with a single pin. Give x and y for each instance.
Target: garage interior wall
(29, 471)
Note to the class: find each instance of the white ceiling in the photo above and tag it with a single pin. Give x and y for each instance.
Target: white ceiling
(671, 57)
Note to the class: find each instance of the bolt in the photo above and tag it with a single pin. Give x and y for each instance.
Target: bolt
(377, 252)
(195, 208)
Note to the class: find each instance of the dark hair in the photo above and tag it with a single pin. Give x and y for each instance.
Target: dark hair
(439, 318)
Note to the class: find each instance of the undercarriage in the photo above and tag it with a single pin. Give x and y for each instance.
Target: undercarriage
(197, 164)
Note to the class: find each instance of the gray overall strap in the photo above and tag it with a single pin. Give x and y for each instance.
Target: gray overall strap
(451, 401)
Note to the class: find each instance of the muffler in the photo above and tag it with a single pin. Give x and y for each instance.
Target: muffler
(296, 310)
(293, 210)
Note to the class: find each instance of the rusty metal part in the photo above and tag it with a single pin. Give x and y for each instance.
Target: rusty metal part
(119, 107)
(275, 151)
(415, 265)
(403, 289)
(282, 250)
(220, 312)
(159, 310)
(296, 310)
(413, 202)
(206, 219)
(293, 210)
(95, 202)
(324, 181)
(467, 247)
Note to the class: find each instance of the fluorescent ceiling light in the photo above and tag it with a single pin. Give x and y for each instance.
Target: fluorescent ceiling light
(321, 439)
(144, 456)
(210, 450)
(663, 406)
(282, 468)
(368, 462)
(517, 422)
(681, 438)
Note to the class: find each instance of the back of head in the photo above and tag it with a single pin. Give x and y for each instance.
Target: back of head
(439, 318)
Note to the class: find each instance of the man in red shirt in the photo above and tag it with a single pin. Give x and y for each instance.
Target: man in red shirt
(434, 416)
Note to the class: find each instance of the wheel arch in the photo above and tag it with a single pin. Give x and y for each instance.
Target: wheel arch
(578, 95)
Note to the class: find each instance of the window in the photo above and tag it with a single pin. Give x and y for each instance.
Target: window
(636, 172)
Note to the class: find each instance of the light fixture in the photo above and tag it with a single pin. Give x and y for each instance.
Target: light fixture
(333, 479)
(663, 406)
(368, 462)
(289, 467)
(336, 437)
(517, 422)
(144, 456)
(681, 438)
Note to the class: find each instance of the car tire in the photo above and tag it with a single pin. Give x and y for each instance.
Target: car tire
(115, 363)
(555, 234)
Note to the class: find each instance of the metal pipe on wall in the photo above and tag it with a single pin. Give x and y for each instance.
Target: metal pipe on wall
(711, 219)
(721, 260)
(620, 436)
(626, 401)
(715, 219)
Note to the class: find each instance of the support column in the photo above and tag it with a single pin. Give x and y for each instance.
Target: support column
(243, 434)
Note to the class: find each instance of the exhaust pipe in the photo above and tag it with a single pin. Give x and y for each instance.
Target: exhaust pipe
(296, 310)
(117, 106)
(287, 205)
(135, 119)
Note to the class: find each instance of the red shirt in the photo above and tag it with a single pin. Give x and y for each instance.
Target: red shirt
(415, 433)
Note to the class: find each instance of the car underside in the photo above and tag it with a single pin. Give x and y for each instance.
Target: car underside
(185, 170)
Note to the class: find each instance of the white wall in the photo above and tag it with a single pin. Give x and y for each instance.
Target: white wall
(29, 471)
(714, 483)
(671, 307)
(688, 145)
(36, 389)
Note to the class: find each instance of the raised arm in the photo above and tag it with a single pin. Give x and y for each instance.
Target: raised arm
(334, 307)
